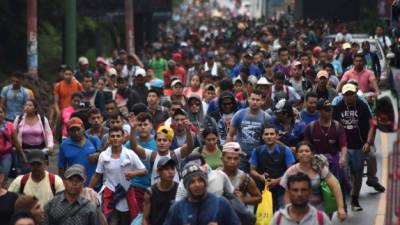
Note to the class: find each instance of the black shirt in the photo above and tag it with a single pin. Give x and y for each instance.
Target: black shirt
(7, 207)
(160, 203)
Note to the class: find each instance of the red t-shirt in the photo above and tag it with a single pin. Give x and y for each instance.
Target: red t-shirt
(325, 140)
(179, 72)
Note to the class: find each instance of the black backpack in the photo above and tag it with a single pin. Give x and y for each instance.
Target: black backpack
(246, 217)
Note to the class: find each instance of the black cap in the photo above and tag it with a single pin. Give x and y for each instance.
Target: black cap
(36, 156)
(324, 104)
(138, 108)
(164, 162)
(180, 111)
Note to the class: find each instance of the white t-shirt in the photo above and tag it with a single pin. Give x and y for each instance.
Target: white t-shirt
(154, 174)
(113, 171)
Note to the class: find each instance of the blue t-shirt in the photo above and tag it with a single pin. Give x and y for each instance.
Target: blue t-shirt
(249, 128)
(308, 118)
(211, 209)
(289, 158)
(295, 133)
(143, 182)
(72, 153)
(253, 69)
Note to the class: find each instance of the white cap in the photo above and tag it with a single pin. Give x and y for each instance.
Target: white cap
(83, 60)
(263, 81)
(140, 72)
(112, 71)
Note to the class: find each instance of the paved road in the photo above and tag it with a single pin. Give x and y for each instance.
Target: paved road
(369, 198)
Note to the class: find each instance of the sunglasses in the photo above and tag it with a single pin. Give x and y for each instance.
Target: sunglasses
(227, 103)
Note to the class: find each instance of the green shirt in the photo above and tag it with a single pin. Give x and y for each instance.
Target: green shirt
(159, 66)
(213, 160)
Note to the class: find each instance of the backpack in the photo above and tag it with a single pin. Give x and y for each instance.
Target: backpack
(153, 157)
(320, 218)
(246, 217)
(337, 128)
(25, 177)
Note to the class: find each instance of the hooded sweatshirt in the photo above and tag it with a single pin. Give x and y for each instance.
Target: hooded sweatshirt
(199, 120)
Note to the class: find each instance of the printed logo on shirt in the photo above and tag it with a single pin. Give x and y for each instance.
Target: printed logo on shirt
(349, 119)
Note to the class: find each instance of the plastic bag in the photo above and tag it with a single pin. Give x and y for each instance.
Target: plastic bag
(265, 209)
(328, 197)
(138, 219)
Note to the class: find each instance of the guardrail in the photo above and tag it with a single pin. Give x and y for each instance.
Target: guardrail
(393, 191)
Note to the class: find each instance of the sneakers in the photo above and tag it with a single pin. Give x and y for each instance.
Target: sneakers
(377, 186)
(355, 205)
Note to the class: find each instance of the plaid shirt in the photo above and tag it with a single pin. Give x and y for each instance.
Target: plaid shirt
(58, 211)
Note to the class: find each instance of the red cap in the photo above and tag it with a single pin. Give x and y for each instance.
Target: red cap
(177, 56)
(74, 122)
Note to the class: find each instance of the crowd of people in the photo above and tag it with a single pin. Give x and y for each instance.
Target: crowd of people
(217, 107)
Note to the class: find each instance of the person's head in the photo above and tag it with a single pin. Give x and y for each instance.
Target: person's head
(330, 53)
(171, 65)
(23, 218)
(122, 84)
(279, 80)
(379, 31)
(194, 104)
(238, 84)
(244, 73)
(16, 79)
(304, 152)
(140, 77)
(349, 92)
(296, 70)
(255, 100)
(227, 102)
(283, 55)
(111, 106)
(329, 69)
(177, 87)
(305, 60)
(31, 107)
(153, 97)
(87, 83)
(74, 179)
(101, 83)
(116, 120)
(299, 189)
(210, 138)
(174, 106)
(30, 204)
(269, 135)
(195, 81)
(230, 62)
(76, 99)
(195, 181)
(144, 124)
(178, 120)
(122, 55)
(68, 74)
(365, 46)
(283, 110)
(323, 57)
(116, 137)
(310, 101)
(209, 92)
(231, 152)
(166, 168)
(131, 60)
(95, 118)
(37, 162)
(325, 109)
(164, 136)
(247, 59)
(76, 129)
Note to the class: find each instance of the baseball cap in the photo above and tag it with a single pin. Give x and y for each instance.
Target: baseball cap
(75, 170)
(165, 161)
(252, 79)
(324, 104)
(281, 106)
(175, 82)
(322, 73)
(167, 131)
(248, 55)
(346, 46)
(112, 72)
(75, 122)
(232, 147)
(236, 79)
(83, 60)
(140, 72)
(209, 87)
(349, 88)
(36, 156)
(263, 81)
(121, 51)
(180, 111)
(296, 63)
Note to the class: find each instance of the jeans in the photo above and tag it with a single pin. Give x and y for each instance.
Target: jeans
(6, 164)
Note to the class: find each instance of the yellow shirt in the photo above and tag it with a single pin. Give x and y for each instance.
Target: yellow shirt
(41, 190)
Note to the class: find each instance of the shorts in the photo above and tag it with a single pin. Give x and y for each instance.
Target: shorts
(355, 161)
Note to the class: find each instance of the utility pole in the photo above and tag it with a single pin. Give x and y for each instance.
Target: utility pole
(129, 27)
(70, 33)
(31, 48)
